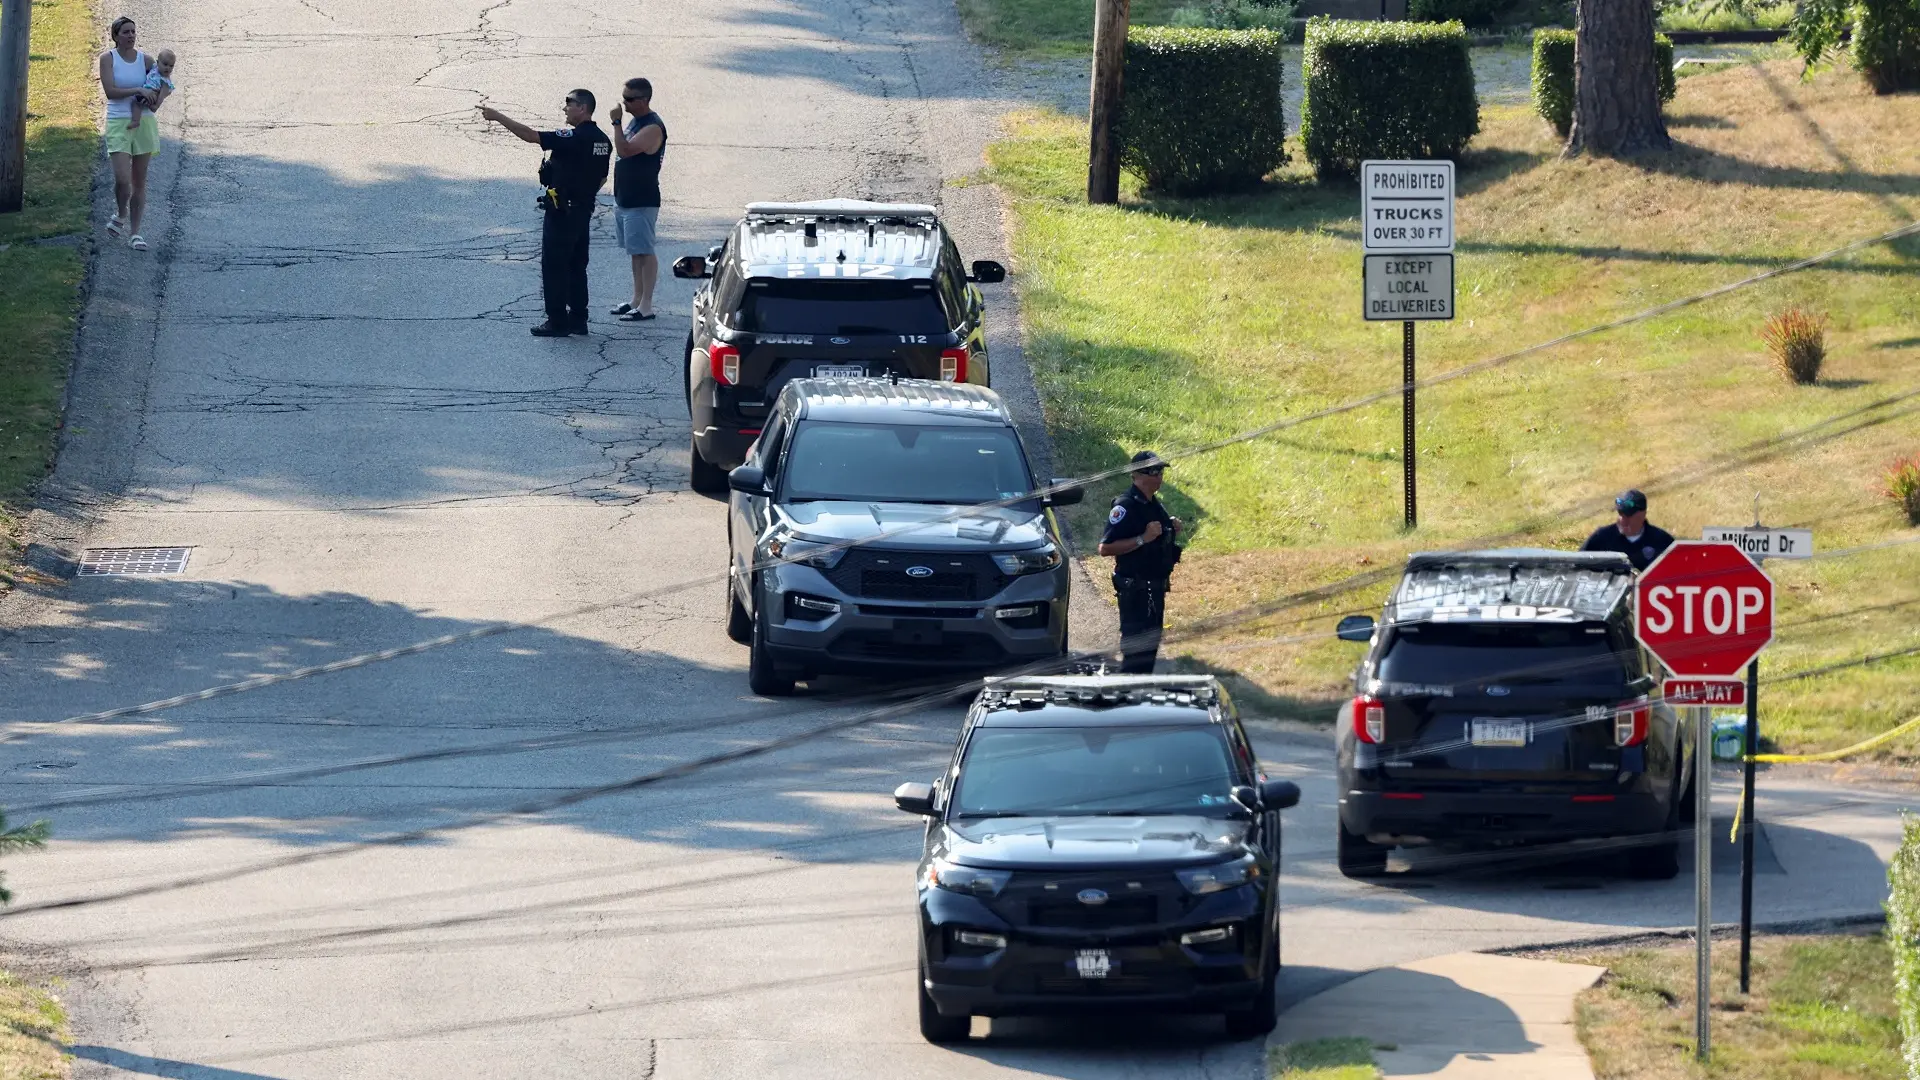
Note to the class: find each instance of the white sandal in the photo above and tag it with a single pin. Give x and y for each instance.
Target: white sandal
(138, 243)
(116, 227)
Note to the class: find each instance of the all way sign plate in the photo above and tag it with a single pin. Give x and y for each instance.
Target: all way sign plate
(1406, 288)
(1406, 205)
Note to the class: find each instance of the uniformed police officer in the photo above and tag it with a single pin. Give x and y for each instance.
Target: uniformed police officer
(1631, 535)
(1139, 539)
(578, 157)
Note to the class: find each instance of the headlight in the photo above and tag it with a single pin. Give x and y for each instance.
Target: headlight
(1202, 880)
(1030, 561)
(966, 879)
(787, 549)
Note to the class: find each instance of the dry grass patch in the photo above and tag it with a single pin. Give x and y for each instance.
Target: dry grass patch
(33, 1028)
(1166, 323)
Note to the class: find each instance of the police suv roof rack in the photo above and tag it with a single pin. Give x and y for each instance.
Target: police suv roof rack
(1035, 691)
(843, 210)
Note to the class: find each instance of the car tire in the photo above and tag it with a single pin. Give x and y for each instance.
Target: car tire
(739, 623)
(686, 374)
(1260, 1017)
(1658, 857)
(934, 1027)
(1358, 858)
(702, 477)
(763, 676)
(1689, 809)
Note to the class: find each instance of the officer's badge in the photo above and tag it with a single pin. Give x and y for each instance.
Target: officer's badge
(1114, 515)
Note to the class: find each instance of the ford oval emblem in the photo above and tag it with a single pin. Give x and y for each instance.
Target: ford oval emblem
(1497, 691)
(1092, 896)
(841, 341)
(919, 571)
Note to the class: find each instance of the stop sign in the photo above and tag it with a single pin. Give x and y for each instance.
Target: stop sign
(1704, 609)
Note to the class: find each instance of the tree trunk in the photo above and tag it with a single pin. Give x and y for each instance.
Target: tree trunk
(1616, 92)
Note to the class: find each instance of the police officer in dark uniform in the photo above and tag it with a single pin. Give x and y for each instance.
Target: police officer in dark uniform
(578, 157)
(1631, 535)
(1139, 539)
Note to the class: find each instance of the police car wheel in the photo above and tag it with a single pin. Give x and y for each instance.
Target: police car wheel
(936, 1028)
(763, 677)
(1657, 856)
(1357, 857)
(739, 623)
(705, 478)
(1259, 1019)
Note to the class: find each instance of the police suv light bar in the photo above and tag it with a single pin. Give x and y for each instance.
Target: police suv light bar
(839, 208)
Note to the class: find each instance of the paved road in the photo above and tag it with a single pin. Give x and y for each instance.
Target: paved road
(320, 380)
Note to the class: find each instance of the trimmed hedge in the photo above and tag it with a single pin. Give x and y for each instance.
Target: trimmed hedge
(1903, 937)
(1553, 75)
(1385, 90)
(1202, 111)
(1886, 44)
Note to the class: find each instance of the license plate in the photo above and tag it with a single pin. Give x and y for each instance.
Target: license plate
(1092, 963)
(1499, 733)
(840, 371)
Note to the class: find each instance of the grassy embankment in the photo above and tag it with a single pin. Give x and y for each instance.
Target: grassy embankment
(1058, 27)
(1821, 1009)
(1166, 323)
(33, 1028)
(39, 283)
(1323, 1059)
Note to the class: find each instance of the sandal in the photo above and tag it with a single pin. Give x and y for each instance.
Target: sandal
(116, 227)
(621, 309)
(138, 243)
(634, 316)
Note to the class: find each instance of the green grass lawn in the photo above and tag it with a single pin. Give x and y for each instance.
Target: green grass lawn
(39, 284)
(1050, 26)
(1167, 323)
(33, 1028)
(1821, 1009)
(1323, 1059)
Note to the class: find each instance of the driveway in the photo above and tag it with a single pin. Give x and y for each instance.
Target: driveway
(580, 847)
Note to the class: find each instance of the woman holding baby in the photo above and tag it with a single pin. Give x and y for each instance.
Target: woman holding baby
(135, 84)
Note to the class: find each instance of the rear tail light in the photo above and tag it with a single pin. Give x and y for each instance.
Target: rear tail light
(953, 365)
(1630, 722)
(725, 360)
(1369, 719)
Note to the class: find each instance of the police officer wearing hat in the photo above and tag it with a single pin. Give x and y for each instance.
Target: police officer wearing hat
(578, 157)
(1631, 536)
(1139, 539)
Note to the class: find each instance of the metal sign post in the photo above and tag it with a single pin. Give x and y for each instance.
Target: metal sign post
(1703, 882)
(1759, 543)
(1406, 230)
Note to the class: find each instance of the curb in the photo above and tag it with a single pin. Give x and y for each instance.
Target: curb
(1728, 929)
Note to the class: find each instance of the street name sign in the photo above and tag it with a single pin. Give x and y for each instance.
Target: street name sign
(1704, 692)
(1763, 543)
(1406, 206)
(1704, 609)
(1405, 288)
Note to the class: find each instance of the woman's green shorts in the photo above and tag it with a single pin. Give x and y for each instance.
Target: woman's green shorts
(144, 139)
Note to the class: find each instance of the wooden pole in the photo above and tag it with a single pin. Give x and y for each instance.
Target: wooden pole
(16, 19)
(1109, 57)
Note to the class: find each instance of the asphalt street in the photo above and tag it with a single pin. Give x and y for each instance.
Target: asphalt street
(497, 859)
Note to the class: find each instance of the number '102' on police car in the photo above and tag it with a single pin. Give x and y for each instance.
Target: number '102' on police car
(1503, 699)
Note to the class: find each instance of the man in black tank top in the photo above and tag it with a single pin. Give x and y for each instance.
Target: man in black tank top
(638, 147)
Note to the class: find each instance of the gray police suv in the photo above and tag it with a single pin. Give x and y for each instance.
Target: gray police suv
(831, 289)
(856, 543)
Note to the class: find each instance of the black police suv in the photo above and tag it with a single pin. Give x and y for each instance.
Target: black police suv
(1099, 842)
(1504, 700)
(831, 289)
(857, 545)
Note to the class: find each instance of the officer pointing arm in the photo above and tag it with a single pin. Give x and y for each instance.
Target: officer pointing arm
(578, 157)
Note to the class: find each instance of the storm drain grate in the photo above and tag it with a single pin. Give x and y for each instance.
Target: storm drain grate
(128, 561)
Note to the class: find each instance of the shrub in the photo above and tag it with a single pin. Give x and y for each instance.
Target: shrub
(1235, 15)
(1903, 486)
(1903, 936)
(1202, 111)
(1797, 341)
(1553, 75)
(1479, 14)
(1886, 38)
(1385, 90)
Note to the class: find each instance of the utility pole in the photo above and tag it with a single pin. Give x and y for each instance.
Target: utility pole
(1109, 59)
(16, 19)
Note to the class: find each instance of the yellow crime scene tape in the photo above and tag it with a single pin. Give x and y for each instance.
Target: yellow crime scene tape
(1831, 755)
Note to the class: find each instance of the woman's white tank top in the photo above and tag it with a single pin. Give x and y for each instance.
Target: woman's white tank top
(127, 75)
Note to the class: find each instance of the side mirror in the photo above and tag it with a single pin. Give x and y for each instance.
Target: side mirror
(691, 266)
(914, 798)
(987, 272)
(1246, 798)
(1065, 496)
(1279, 794)
(1355, 628)
(750, 479)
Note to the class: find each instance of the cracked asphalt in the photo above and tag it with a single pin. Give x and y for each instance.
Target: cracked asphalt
(487, 860)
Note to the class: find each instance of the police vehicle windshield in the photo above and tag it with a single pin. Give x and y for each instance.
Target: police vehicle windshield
(841, 307)
(1044, 772)
(904, 463)
(1462, 654)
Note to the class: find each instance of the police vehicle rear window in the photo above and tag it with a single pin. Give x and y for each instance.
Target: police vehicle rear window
(904, 463)
(841, 307)
(1049, 771)
(1514, 654)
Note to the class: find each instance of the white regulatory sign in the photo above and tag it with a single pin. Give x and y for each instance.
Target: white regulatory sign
(1408, 288)
(1761, 543)
(1406, 205)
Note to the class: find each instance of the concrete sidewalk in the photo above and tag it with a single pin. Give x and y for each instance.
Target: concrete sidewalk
(1464, 1016)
